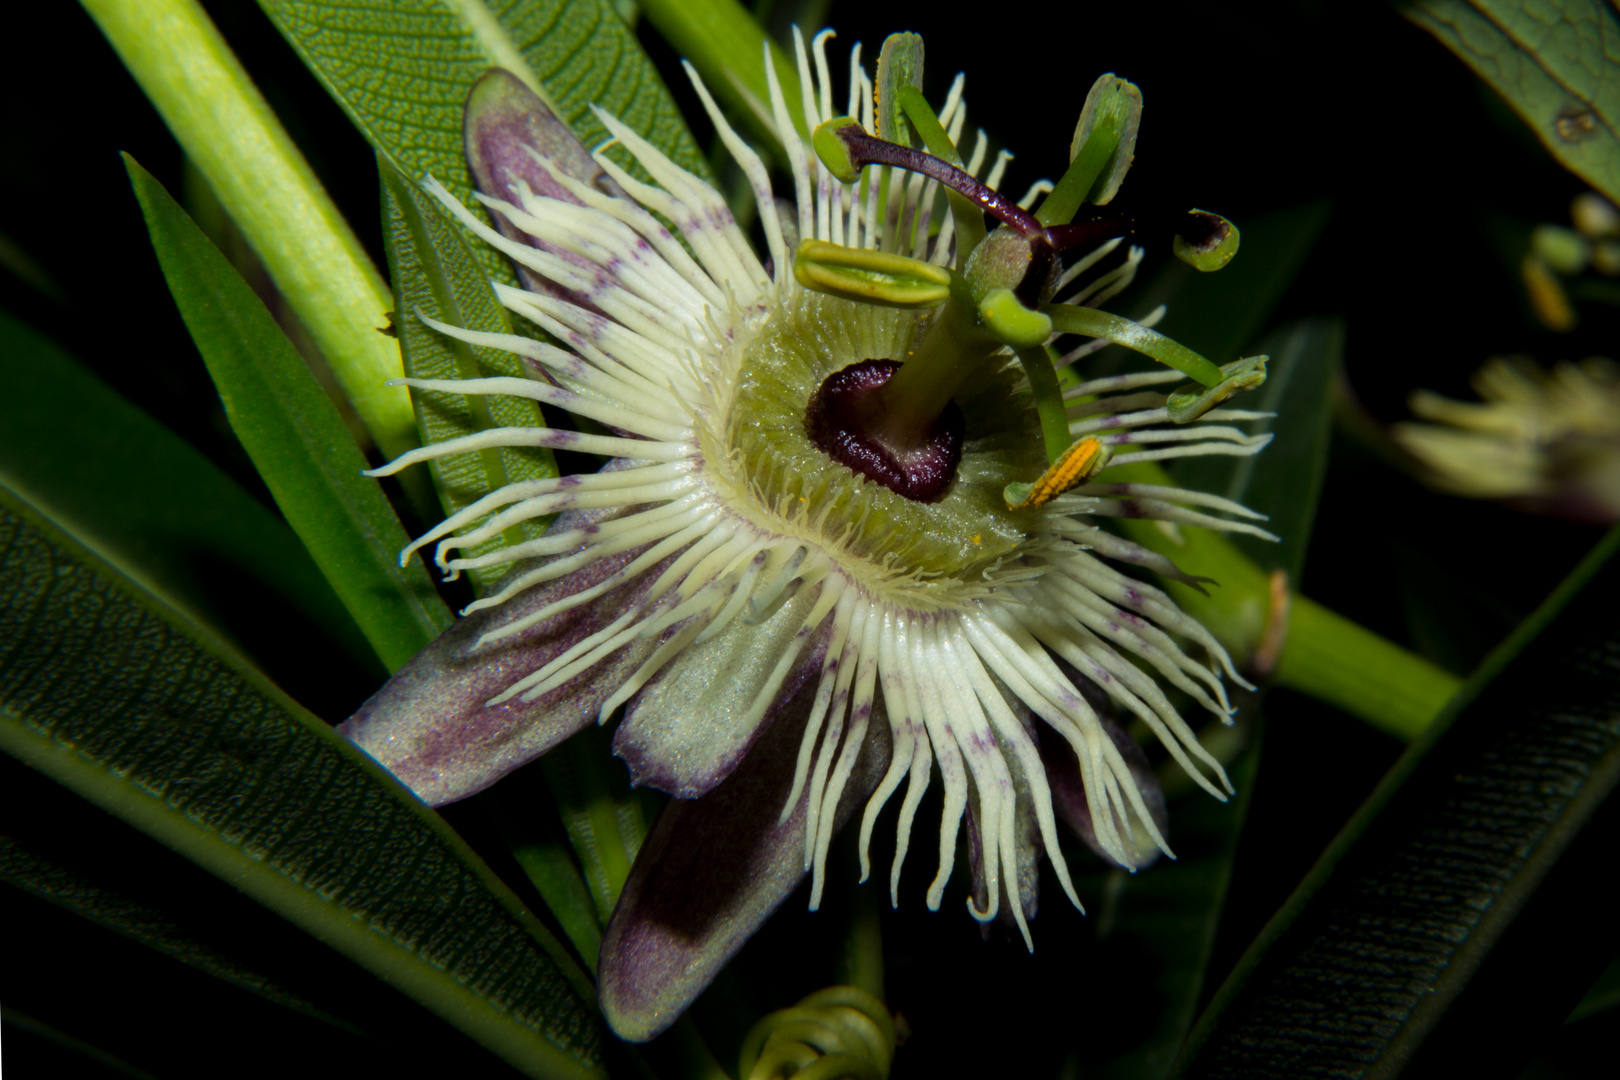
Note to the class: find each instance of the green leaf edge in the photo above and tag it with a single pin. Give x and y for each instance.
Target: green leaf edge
(1506, 904)
(523, 1048)
(275, 405)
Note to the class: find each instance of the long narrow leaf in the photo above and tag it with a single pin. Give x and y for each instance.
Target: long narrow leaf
(228, 130)
(1382, 944)
(146, 501)
(295, 436)
(111, 693)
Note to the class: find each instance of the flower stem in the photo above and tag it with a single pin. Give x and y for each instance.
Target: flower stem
(862, 963)
(227, 129)
(1325, 655)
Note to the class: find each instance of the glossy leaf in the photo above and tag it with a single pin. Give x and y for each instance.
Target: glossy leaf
(110, 692)
(295, 436)
(1401, 950)
(1553, 62)
(401, 69)
(436, 275)
(147, 502)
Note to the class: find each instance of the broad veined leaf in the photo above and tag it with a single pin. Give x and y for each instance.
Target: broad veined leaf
(295, 436)
(1404, 948)
(1554, 62)
(110, 692)
(436, 275)
(147, 502)
(401, 69)
(1164, 919)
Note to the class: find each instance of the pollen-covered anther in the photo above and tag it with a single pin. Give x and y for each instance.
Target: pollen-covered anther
(845, 421)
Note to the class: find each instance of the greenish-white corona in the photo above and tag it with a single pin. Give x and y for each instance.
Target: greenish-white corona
(799, 592)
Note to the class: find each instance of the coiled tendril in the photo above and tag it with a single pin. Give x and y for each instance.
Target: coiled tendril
(840, 1033)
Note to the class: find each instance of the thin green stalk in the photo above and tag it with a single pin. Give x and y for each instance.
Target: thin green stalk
(227, 129)
(1323, 655)
(724, 43)
(1075, 319)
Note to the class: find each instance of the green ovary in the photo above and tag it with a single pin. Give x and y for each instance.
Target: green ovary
(782, 481)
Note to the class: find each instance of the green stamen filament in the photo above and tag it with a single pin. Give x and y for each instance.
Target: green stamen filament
(1074, 319)
(1065, 199)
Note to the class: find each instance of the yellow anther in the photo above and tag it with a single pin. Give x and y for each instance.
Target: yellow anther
(1079, 463)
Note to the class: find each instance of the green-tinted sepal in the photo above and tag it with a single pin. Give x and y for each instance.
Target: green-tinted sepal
(1186, 406)
(832, 151)
(1012, 322)
(871, 277)
(1214, 249)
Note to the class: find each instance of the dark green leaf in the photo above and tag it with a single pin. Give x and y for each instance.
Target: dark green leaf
(110, 692)
(147, 502)
(1284, 481)
(1166, 917)
(73, 889)
(295, 436)
(401, 69)
(1161, 922)
(435, 274)
(1404, 947)
(1554, 62)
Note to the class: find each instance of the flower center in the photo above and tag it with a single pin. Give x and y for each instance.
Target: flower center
(771, 469)
(845, 420)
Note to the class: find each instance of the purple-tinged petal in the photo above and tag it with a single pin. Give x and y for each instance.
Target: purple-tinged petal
(430, 724)
(693, 723)
(710, 874)
(503, 121)
(1069, 792)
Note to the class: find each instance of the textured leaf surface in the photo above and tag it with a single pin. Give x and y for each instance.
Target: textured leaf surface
(1555, 62)
(435, 274)
(401, 69)
(294, 435)
(144, 499)
(106, 690)
(1377, 950)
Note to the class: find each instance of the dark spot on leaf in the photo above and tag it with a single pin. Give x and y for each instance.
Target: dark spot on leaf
(1576, 123)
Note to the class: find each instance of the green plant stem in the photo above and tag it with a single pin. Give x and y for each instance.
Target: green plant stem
(722, 40)
(1324, 654)
(227, 129)
(862, 963)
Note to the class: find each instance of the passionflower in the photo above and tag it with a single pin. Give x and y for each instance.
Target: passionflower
(1547, 441)
(847, 536)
